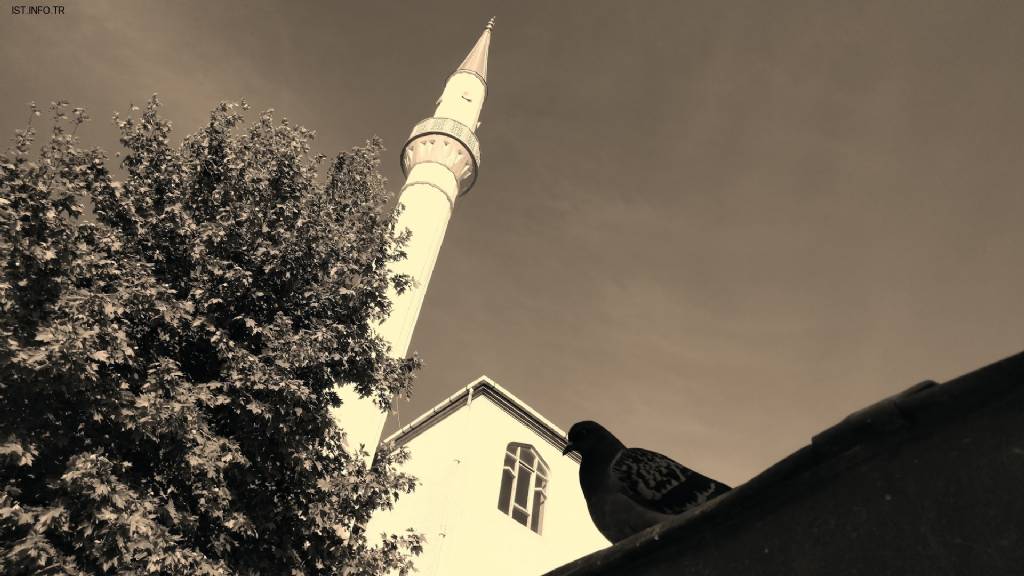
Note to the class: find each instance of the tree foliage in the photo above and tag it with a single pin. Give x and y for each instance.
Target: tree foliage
(166, 369)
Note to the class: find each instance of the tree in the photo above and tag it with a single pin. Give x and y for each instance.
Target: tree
(166, 370)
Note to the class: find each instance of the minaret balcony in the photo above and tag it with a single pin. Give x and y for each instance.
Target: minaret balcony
(444, 141)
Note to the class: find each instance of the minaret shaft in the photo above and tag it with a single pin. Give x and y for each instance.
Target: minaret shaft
(440, 161)
(461, 99)
(427, 197)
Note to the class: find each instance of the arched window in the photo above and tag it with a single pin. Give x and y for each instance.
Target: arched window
(524, 486)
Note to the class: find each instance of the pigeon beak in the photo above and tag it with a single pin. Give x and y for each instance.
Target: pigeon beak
(568, 448)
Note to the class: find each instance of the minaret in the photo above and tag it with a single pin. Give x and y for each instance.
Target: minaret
(440, 162)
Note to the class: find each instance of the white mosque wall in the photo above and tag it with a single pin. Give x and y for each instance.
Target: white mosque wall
(458, 461)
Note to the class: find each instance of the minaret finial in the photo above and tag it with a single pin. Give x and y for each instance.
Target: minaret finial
(490, 24)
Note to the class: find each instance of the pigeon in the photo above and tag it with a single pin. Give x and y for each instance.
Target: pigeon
(630, 489)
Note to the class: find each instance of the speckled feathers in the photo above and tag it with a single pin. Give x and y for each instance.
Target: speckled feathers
(660, 483)
(630, 489)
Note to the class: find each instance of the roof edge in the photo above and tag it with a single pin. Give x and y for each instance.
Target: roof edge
(923, 405)
(502, 398)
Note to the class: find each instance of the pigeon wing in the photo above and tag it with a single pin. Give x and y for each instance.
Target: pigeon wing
(660, 483)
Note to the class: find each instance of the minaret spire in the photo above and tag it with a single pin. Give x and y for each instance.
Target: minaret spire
(440, 160)
(476, 60)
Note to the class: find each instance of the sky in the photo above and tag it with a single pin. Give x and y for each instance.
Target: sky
(715, 227)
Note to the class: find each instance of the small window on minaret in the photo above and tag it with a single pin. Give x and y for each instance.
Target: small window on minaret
(524, 486)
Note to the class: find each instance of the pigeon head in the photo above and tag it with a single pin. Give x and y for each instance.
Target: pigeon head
(590, 438)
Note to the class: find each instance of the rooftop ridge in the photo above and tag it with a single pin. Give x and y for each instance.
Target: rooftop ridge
(505, 400)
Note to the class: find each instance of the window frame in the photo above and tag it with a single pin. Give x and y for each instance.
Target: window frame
(524, 470)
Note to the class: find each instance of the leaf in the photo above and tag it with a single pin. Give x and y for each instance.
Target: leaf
(48, 518)
(21, 455)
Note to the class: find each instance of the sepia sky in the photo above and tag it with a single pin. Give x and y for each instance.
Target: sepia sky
(716, 227)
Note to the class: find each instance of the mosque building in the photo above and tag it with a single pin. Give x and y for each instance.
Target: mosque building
(924, 482)
(494, 488)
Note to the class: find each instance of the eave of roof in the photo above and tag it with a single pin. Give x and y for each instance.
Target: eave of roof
(501, 397)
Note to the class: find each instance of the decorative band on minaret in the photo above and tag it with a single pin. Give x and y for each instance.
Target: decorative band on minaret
(440, 161)
(445, 141)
